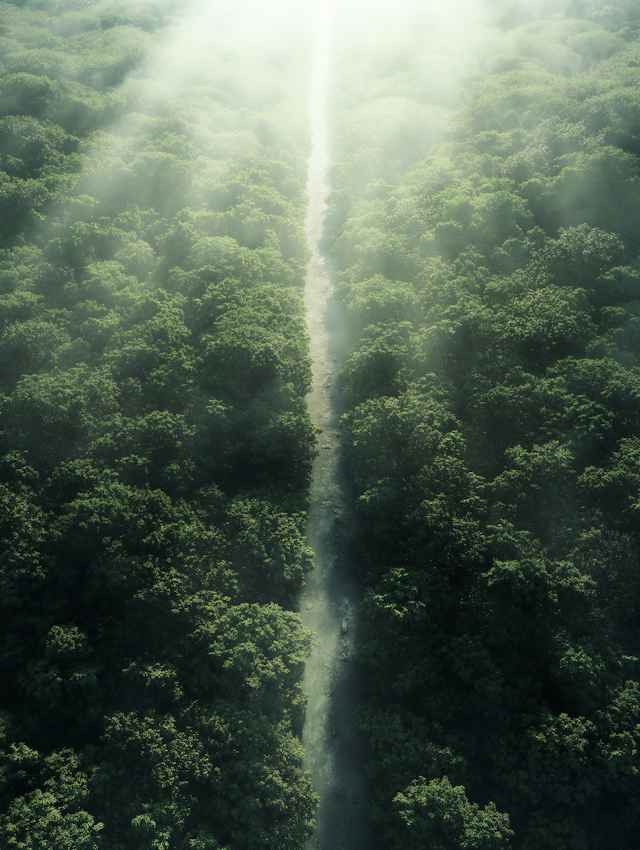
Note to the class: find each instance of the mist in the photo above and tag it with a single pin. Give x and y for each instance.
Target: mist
(319, 360)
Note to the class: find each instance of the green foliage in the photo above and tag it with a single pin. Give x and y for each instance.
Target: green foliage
(437, 815)
(50, 816)
(491, 427)
(154, 440)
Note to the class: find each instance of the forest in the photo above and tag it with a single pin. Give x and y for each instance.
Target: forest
(156, 449)
(488, 247)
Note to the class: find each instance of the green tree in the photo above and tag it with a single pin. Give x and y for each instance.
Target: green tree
(438, 815)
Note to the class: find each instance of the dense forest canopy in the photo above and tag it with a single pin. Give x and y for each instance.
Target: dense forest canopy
(156, 448)
(489, 264)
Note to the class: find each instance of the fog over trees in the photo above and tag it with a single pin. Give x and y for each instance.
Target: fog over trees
(493, 428)
(156, 450)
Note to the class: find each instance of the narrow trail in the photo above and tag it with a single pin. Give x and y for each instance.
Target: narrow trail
(328, 604)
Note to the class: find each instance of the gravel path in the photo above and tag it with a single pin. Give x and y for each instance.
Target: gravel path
(328, 605)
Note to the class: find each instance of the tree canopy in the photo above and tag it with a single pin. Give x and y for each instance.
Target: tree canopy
(156, 448)
(490, 278)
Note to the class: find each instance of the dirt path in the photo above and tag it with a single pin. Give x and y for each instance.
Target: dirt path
(334, 749)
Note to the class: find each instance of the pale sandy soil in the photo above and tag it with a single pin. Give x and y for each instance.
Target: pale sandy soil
(328, 605)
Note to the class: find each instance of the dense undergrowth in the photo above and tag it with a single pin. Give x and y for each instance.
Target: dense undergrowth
(156, 448)
(488, 182)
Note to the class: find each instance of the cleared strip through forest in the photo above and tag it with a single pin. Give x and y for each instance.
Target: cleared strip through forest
(334, 753)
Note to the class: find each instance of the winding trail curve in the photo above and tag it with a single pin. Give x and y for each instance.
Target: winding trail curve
(328, 604)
